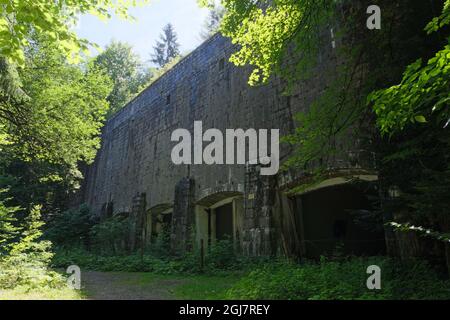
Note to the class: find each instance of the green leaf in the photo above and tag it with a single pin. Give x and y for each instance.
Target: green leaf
(420, 119)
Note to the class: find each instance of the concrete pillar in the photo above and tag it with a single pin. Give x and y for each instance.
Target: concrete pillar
(183, 218)
(137, 222)
(201, 226)
(258, 227)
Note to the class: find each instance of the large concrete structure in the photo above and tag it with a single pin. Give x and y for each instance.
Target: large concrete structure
(134, 175)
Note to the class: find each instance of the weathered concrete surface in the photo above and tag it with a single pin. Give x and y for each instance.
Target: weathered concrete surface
(135, 157)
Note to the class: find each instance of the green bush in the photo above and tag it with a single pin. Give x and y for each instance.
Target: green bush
(161, 244)
(8, 228)
(221, 255)
(110, 235)
(220, 258)
(123, 263)
(71, 228)
(346, 279)
(186, 264)
(25, 262)
(78, 228)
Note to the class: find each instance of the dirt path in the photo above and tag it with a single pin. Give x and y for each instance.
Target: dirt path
(127, 286)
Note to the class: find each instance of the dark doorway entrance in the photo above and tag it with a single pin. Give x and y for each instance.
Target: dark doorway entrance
(167, 219)
(224, 222)
(161, 225)
(329, 220)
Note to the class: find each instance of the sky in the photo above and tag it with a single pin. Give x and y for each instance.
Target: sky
(185, 15)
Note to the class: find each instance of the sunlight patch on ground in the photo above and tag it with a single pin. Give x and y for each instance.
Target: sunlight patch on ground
(41, 294)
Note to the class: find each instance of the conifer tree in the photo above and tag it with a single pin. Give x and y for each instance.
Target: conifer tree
(166, 48)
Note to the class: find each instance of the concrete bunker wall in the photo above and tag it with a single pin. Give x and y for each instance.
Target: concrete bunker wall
(135, 153)
(133, 170)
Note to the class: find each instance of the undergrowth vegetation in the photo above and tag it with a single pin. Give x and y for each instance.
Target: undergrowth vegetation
(104, 246)
(341, 280)
(333, 277)
(328, 279)
(25, 258)
(214, 262)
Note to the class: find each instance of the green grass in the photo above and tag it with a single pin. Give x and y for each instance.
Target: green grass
(41, 294)
(205, 287)
(145, 278)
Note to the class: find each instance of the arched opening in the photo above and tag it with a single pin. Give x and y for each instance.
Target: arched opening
(338, 217)
(158, 222)
(218, 217)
